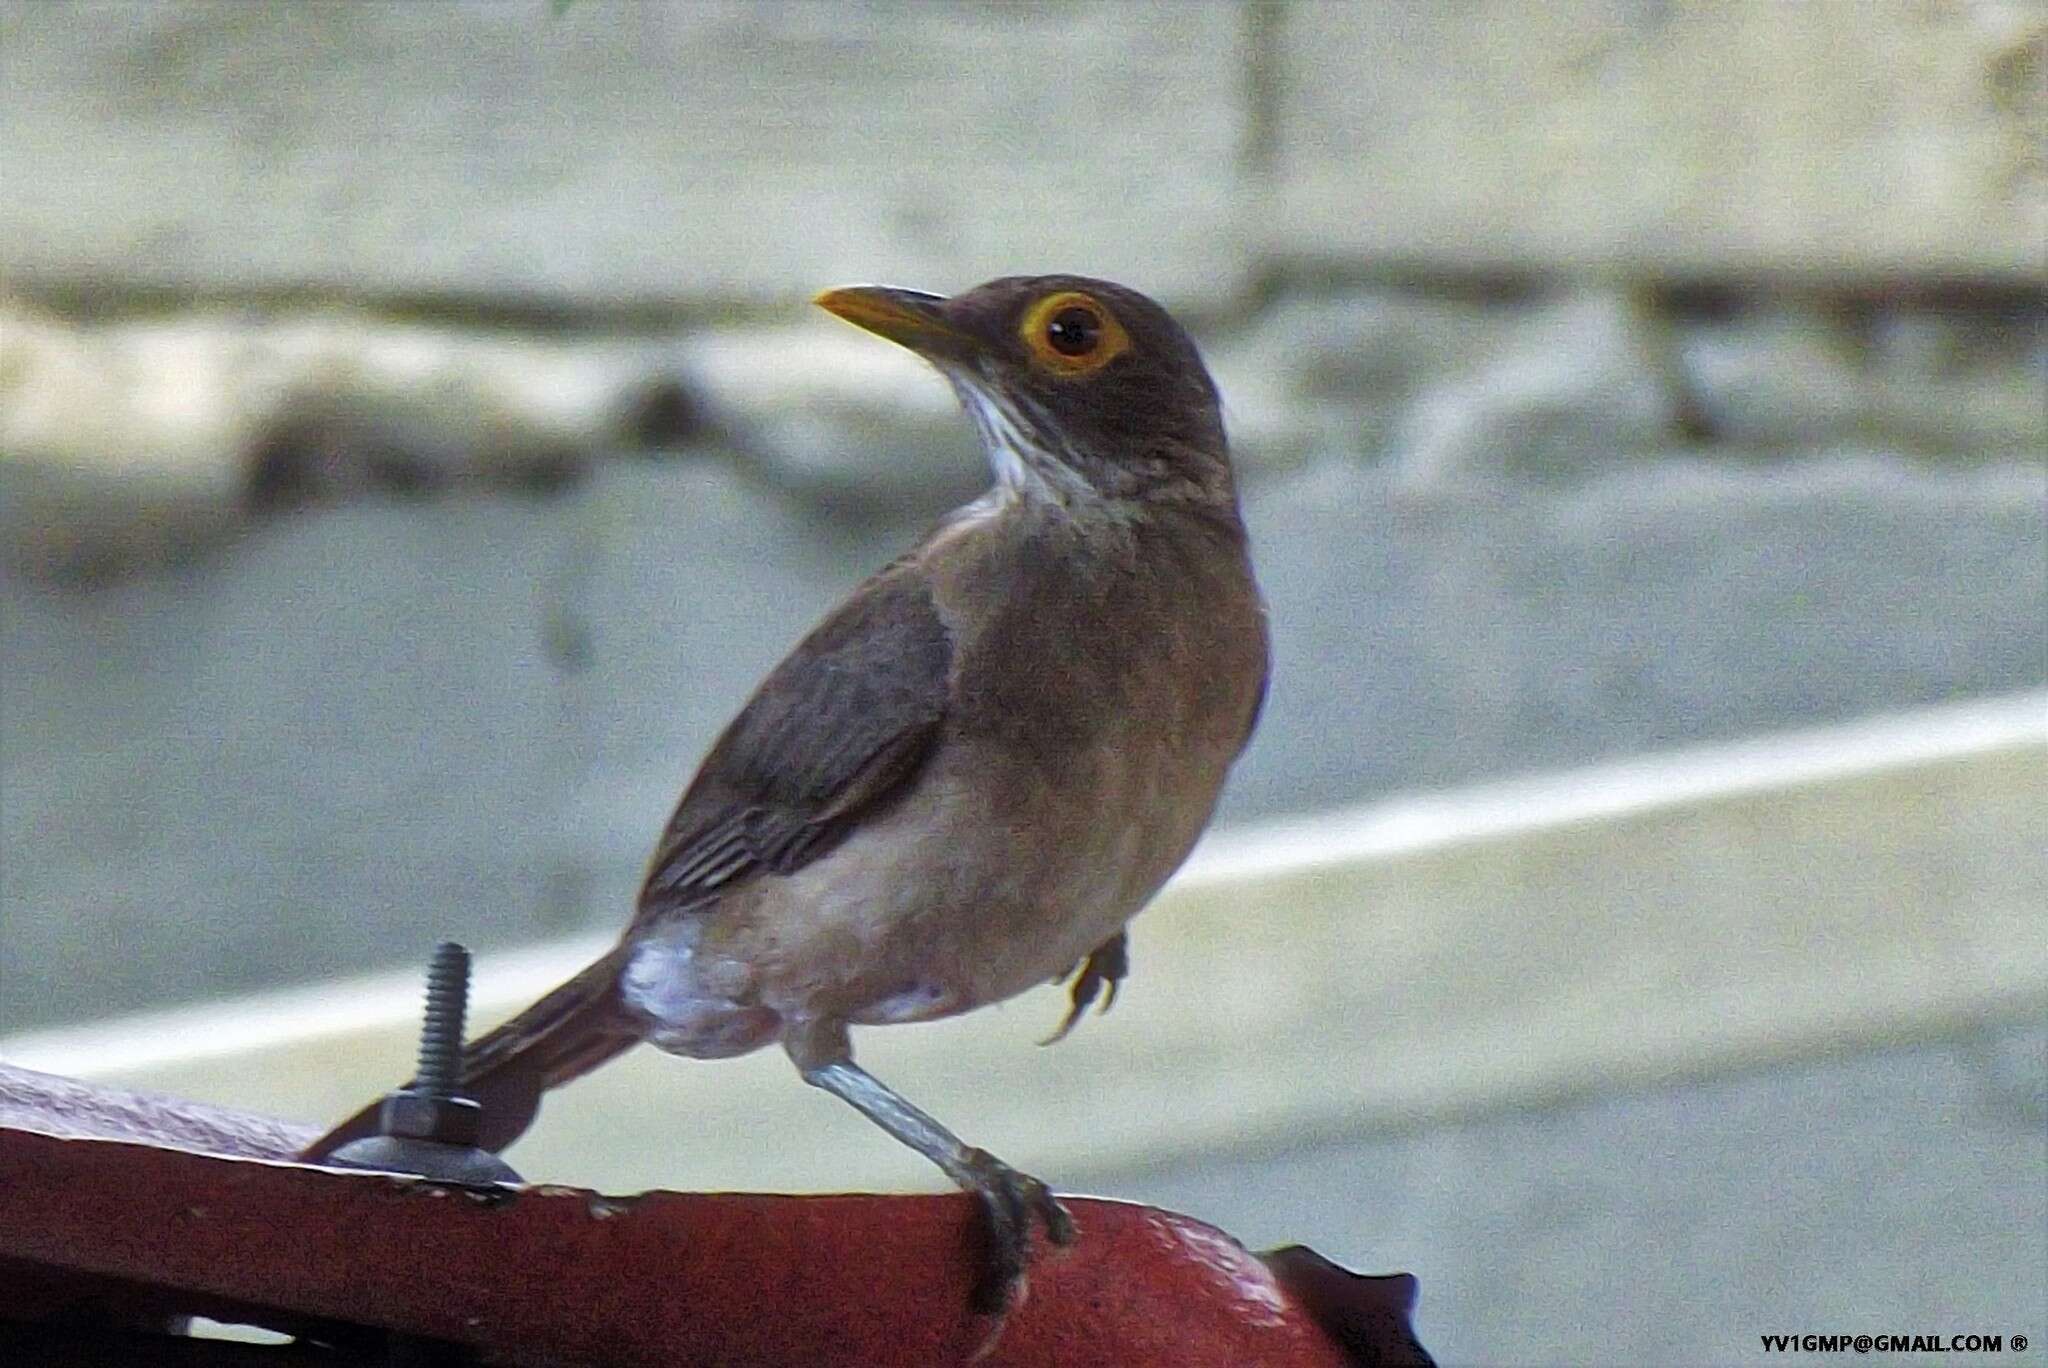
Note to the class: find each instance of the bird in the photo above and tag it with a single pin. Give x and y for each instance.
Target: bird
(975, 770)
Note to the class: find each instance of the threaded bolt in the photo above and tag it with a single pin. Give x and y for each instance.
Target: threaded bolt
(440, 1071)
(428, 1127)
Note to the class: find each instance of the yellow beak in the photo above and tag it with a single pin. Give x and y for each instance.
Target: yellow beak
(909, 318)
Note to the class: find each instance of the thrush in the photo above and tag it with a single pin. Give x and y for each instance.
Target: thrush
(967, 779)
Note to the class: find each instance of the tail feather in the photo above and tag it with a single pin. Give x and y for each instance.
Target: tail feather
(565, 1035)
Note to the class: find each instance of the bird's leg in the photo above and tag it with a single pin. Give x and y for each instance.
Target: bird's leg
(1009, 1199)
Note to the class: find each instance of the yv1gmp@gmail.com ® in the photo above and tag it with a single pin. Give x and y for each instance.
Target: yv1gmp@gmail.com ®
(1894, 1344)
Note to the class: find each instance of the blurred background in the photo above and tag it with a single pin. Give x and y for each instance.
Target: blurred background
(414, 443)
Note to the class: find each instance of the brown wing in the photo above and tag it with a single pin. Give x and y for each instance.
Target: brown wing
(839, 725)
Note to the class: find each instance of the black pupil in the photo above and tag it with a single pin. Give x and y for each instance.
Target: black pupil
(1074, 332)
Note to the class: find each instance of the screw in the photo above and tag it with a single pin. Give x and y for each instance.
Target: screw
(429, 1127)
(440, 1071)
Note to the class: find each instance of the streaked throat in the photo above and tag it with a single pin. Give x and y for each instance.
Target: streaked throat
(1020, 458)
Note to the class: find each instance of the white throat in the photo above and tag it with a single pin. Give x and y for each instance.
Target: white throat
(1020, 463)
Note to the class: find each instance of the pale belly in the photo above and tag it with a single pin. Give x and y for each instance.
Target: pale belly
(943, 905)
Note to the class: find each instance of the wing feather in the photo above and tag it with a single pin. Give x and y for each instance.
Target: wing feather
(841, 724)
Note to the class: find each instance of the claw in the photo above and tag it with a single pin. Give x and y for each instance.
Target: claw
(1106, 966)
(1009, 1202)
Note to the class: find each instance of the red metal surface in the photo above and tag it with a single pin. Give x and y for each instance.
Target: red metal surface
(56, 1105)
(551, 1275)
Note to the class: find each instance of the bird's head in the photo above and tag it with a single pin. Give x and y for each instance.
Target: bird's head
(1081, 389)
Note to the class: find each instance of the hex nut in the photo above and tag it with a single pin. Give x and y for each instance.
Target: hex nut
(448, 1120)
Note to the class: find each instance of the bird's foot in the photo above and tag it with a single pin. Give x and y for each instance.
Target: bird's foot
(1106, 966)
(1010, 1202)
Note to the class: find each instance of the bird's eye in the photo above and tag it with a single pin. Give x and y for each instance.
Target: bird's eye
(1074, 331)
(1070, 333)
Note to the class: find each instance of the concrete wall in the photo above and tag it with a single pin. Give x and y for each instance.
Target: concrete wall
(1526, 492)
(674, 155)
(335, 247)
(1752, 137)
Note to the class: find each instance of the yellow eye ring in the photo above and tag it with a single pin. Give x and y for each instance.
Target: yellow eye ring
(1071, 333)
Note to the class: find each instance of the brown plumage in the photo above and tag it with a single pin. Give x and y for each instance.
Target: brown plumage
(977, 768)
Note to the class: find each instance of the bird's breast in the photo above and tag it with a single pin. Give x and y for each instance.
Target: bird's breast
(1104, 682)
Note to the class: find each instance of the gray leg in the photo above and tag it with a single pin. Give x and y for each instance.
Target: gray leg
(1009, 1199)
